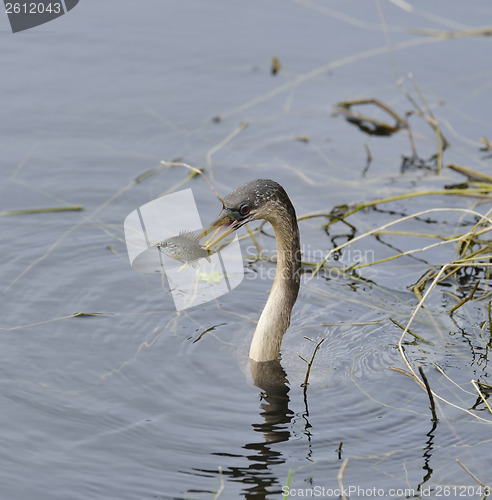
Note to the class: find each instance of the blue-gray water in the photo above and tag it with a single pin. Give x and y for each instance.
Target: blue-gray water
(125, 405)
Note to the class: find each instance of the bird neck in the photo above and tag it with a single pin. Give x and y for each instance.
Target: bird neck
(275, 318)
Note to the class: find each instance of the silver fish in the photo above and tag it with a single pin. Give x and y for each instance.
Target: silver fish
(185, 247)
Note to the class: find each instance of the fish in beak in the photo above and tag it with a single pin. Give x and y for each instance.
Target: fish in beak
(228, 221)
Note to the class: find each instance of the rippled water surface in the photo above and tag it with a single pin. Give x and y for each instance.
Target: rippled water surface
(139, 401)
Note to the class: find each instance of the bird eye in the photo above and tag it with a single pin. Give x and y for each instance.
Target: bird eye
(244, 209)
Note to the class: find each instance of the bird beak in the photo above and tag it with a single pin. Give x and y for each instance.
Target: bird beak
(223, 226)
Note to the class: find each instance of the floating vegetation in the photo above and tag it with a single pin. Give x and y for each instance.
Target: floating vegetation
(341, 212)
(373, 126)
(89, 314)
(486, 144)
(370, 125)
(310, 362)
(302, 138)
(486, 31)
(418, 337)
(73, 208)
(276, 66)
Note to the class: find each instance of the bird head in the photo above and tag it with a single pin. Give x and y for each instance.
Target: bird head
(251, 201)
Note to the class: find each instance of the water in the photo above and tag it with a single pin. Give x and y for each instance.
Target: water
(134, 402)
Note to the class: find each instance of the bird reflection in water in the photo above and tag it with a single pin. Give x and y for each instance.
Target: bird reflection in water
(270, 377)
(259, 478)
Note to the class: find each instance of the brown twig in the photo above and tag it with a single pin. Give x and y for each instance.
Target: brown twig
(466, 299)
(310, 362)
(429, 392)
